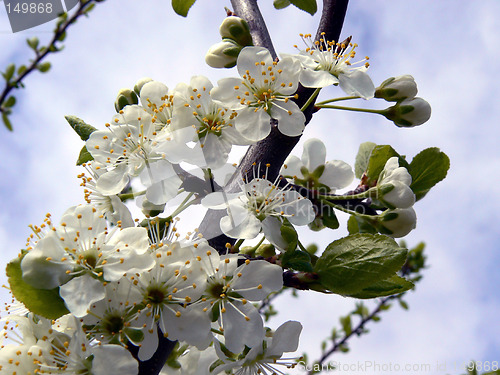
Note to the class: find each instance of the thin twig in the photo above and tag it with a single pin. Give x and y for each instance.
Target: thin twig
(356, 331)
(51, 48)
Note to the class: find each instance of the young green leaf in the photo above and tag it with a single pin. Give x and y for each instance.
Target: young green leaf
(80, 127)
(10, 102)
(281, 4)
(46, 303)
(9, 72)
(379, 156)
(6, 121)
(355, 262)
(181, 7)
(309, 6)
(427, 169)
(362, 158)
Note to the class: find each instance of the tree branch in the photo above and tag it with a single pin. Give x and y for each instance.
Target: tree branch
(250, 12)
(276, 147)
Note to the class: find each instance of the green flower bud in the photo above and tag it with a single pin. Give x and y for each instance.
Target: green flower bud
(409, 113)
(266, 251)
(140, 83)
(237, 29)
(125, 97)
(397, 89)
(223, 54)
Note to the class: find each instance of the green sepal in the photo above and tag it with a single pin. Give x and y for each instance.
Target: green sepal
(215, 364)
(318, 172)
(134, 334)
(43, 302)
(428, 168)
(355, 262)
(290, 235)
(393, 285)
(297, 260)
(84, 157)
(181, 7)
(362, 158)
(352, 225)
(309, 6)
(80, 127)
(359, 225)
(379, 156)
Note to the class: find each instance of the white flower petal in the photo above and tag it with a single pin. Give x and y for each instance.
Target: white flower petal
(357, 83)
(80, 292)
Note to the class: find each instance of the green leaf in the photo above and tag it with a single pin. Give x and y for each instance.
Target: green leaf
(80, 127)
(9, 72)
(355, 262)
(21, 70)
(281, 4)
(44, 67)
(428, 168)
(297, 260)
(309, 6)
(379, 156)
(352, 225)
(329, 218)
(84, 156)
(46, 303)
(6, 121)
(388, 287)
(181, 7)
(362, 158)
(33, 42)
(10, 102)
(345, 321)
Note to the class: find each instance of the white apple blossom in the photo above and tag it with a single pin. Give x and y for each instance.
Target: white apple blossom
(130, 148)
(313, 172)
(263, 92)
(328, 63)
(259, 204)
(263, 359)
(110, 206)
(394, 185)
(230, 291)
(215, 132)
(80, 253)
(168, 290)
(157, 100)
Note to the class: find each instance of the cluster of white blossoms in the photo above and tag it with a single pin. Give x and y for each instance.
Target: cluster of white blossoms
(125, 283)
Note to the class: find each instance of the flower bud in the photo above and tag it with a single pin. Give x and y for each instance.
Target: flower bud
(223, 54)
(409, 113)
(266, 251)
(140, 83)
(125, 97)
(237, 29)
(393, 186)
(396, 89)
(399, 222)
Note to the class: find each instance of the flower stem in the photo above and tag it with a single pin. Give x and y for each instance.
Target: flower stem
(310, 100)
(126, 196)
(377, 111)
(338, 99)
(340, 208)
(185, 204)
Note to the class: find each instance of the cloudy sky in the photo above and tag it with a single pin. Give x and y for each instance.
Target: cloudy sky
(449, 46)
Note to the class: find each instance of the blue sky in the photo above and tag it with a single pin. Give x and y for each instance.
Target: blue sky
(449, 46)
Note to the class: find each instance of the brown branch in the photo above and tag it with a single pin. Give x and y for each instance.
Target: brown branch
(276, 147)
